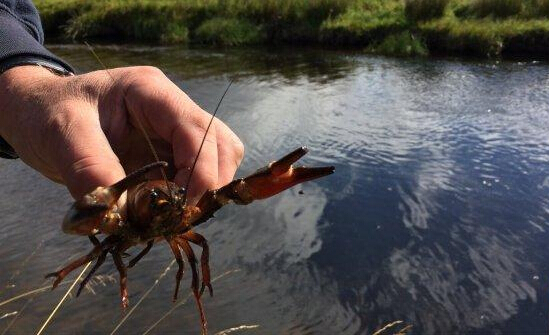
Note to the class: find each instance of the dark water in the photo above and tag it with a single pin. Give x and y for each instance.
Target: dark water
(437, 214)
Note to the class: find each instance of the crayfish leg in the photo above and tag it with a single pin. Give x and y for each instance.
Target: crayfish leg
(98, 263)
(199, 240)
(186, 247)
(141, 254)
(94, 240)
(117, 257)
(61, 274)
(105, 245)
(177, 254)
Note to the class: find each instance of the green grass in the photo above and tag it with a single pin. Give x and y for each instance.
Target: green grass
(403, 44)
(364, 22)
(487, 38)
(498, 8)
(488, 28)
(542, 8)
(131, 23)
(171, 21)
(222, 31)
(423, 10)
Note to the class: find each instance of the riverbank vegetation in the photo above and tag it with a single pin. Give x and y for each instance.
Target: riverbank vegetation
(486, 28)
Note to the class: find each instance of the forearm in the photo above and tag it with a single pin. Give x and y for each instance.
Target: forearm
(18, 88)
(21, 39)
(23, 112)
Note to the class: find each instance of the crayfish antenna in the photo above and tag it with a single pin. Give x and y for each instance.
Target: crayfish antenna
(149, 142)
(204, 139)
(134, 178)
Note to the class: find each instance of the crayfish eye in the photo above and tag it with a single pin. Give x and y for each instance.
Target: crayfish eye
(153, 196)
(181, 191)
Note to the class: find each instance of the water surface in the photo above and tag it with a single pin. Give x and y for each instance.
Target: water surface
(437, 214)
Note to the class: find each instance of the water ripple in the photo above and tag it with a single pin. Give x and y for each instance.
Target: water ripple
(436, 215)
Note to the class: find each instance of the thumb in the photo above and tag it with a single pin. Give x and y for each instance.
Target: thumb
(84, 157)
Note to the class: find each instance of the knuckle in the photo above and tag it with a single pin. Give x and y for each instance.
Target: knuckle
(234, 145)
(146, 77)
(238, 148)
(201, 121)
(149, 71)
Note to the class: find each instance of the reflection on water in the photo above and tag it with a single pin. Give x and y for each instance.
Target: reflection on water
(437, 213)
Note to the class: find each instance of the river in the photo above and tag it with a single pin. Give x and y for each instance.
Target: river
(437, 214)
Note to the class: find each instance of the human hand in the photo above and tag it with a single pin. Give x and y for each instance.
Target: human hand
(81, 130)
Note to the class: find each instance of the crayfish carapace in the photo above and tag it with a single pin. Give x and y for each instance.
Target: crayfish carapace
(157, 210)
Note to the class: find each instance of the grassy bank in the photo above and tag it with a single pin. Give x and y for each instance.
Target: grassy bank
(487, 28)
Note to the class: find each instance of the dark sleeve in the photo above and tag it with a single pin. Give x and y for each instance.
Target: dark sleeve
(21, 33)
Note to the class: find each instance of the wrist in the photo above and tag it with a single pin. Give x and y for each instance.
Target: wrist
(16, 87)
(24, 67)
(21, 76)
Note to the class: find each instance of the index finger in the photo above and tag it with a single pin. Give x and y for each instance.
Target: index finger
(173, 116)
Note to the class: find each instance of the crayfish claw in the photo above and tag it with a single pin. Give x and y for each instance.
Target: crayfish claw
(282, 165)
(85, 215)
(83, 218)
(274, 178)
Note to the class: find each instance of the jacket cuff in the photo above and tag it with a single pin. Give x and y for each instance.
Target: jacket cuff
(16, 40)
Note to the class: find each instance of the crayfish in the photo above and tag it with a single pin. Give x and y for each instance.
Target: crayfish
(157, 210)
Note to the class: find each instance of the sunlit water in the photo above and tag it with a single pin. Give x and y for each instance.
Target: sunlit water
(437, 214)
